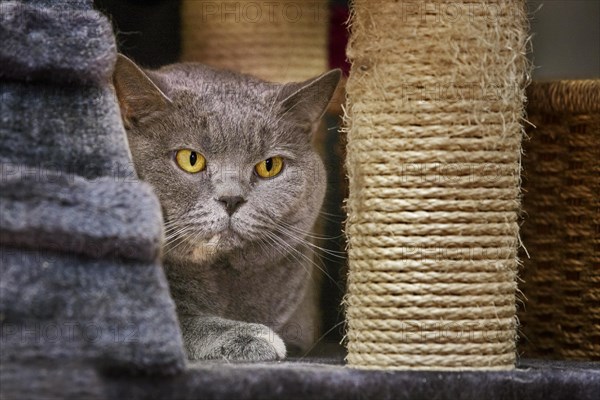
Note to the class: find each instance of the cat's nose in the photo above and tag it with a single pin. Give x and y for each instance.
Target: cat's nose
(231, 203)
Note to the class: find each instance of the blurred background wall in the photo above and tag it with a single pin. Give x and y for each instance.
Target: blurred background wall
(566, 38)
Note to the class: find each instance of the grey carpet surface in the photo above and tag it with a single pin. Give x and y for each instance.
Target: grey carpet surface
(533, 380)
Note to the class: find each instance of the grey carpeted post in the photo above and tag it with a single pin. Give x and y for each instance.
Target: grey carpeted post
(80, 237)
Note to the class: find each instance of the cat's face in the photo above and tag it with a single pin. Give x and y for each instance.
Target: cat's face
(229, 156)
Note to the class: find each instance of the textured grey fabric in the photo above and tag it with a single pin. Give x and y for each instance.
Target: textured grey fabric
(60, 5)
(108, 313)
(72, 129)
(80, 236)
(52, 210)
(64, 42)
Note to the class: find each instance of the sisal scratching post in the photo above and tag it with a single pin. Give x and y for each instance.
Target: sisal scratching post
(435, 101)
(278, 41)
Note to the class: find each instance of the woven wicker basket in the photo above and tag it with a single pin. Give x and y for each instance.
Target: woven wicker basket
(561, 317)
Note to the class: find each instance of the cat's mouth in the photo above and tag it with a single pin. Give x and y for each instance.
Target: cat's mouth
(225, 239)
(217, 244)
(220, 242)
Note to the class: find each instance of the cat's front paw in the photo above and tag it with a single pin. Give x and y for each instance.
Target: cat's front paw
(238, 341)
(252, 342)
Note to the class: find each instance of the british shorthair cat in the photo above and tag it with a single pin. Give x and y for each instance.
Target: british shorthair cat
(231, 161)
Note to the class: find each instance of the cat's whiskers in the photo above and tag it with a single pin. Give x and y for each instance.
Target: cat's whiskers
(294, 252)
(309, 233)
(179, 242)
(275, 240)
(172, 244)
(176, 240)
(175, 232)
(170, 230)
(173, 227)
(302, 239)
(268, 245)
(277, 226)
(301, 235)
(337, 218)
(331, 214)
(343, 253)
(274, 226)
(313, 248)
(193, 241)
(170, 223)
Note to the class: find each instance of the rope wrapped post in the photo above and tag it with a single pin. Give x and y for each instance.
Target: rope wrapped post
(435, 101)
(279, 41)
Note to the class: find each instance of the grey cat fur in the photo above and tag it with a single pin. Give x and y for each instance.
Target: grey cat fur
(80, 236)
(243, 282)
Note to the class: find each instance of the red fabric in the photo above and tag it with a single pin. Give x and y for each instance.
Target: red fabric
(338, 37)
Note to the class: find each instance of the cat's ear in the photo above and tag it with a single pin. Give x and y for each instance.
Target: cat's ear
(140, 97)
(308, 100)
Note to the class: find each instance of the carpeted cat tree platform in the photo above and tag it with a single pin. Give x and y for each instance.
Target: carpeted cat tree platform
(85, 311)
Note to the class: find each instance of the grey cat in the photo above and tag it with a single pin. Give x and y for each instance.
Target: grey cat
(231, 161)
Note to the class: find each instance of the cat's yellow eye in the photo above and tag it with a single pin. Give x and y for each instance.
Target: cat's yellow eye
(190, 161)
(270, 167)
